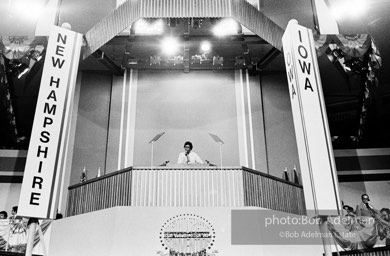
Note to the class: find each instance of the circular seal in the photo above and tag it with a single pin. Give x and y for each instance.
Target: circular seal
(187, 233)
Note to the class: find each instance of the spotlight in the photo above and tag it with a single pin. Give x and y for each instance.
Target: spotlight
(359, 7)
(205, 46)
(144, 27)
(337, 12)
(226, 27)
(169, 45)
(28, 10)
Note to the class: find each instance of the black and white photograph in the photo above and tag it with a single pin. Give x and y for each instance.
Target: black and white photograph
(194, 128)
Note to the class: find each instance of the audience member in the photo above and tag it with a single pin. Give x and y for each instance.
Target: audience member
(365, 209)
(385, 214)
(17, 237)
(3, 215)
(59, 216)
(349, 210)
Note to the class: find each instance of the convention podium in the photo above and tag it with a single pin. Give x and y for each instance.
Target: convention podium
(186, 186)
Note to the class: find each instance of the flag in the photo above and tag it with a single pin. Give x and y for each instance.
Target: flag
(6, 106)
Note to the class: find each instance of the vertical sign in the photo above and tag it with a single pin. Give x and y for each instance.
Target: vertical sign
(38, 197)
(315, 151)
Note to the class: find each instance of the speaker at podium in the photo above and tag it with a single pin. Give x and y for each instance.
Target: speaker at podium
(186, 158)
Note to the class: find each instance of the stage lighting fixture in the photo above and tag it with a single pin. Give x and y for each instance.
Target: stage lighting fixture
(226, 27)
(205, 46)
(196, 59)
(349, 9)
(170, 45)
(155, 60)
(178, 60)
(214, 21)
(200, 58)
(359, 8)
(28, 10)
(172, 22)
(239, 60)
(218, 60)
(145, 27)
(130, 60)
(196, 23)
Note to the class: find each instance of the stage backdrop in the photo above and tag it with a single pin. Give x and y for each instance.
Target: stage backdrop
(187, 107)
(119, 115)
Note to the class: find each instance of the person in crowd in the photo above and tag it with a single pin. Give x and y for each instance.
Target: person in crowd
(3, 215)
(18, 237)
(385, 212)
(384, 228)
(59, 216)
(349, 210)
(188, 156)
(14, 211)
(365, 209)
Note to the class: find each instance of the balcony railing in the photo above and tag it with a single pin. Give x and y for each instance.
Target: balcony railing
(195, 186)
(377, 251)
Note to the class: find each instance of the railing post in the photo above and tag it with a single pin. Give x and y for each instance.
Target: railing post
(32, 224)
(325, 239)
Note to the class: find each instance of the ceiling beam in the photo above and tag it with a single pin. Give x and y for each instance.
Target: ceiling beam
(268, 58)
(247, 39)
(132, 10)
(106, 61)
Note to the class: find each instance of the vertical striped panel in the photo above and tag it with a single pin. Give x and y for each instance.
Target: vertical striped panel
(183, 9)
(132, 10)
(269, 192)
(100, 193)
(257, 22)
(377, 251)
(187, 187)
(121, 129)
(111, 25)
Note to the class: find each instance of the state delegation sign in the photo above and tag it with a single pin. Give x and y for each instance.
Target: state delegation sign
(38, 197)
(315, 150)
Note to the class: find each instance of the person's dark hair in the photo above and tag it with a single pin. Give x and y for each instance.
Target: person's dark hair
(189, 144)
(5, 214)
(364, 196)
(348, 208)
(15, 209)
(387, 210)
